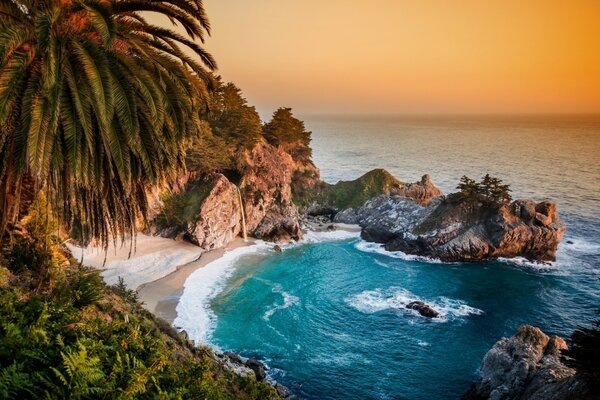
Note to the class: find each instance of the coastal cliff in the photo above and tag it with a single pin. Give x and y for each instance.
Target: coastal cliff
(528, 366)
(450, 229)
(208, 211)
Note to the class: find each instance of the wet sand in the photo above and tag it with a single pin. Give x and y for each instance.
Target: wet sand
(162, 295)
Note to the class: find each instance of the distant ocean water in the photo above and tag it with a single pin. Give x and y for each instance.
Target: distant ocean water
(328, 315)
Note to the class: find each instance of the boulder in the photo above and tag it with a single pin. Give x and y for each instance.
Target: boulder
(208, 211)
(527, 366)
(260, 370)
(422, 308)
(208, 214)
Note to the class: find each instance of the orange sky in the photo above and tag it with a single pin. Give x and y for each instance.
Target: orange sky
(401, 56)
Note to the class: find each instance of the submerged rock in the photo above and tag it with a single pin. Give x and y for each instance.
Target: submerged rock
(527, 366)
(422, 308)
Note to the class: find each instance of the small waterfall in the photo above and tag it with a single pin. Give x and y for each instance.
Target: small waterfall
(244, 235)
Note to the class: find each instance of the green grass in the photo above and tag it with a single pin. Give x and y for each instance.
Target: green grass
(350, 194)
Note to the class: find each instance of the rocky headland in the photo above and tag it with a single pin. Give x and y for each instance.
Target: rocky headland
(451, 229)
(528, 366)
(271, 195)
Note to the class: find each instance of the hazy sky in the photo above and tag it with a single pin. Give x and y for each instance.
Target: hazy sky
(396, 56)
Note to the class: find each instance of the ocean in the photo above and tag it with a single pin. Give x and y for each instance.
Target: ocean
(327, 314)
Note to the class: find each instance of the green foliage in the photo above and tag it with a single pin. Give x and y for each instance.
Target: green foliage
(584, 354)
(182, 208)
(209, 153)
(290, 133)
(122, 290)
(96, 104)
(232, 119)
(350, 194)
(36, 253)
(85, 287)
(67, 343)
(490, 191)
(14, 382)
(79, 377)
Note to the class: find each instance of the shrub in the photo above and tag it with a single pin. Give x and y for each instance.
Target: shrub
(584, 354)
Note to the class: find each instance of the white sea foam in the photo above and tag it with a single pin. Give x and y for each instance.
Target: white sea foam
(579, 245)
(329, 236)
(423, 343)
(525, 263)
(288, 301)
(377, 248)
(394, 298)
(193, 310)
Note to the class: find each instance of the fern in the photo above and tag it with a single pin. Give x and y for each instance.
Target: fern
(14, 382)
(81, 376)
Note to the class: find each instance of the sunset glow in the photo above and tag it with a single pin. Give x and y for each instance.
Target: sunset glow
(394, 56)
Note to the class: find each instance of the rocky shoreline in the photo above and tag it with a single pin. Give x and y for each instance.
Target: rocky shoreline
(275, 197)
(528, 366)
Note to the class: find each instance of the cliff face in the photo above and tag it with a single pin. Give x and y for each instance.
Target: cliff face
(266, 190)
(208, 213)
(527, 366)
(451, 230)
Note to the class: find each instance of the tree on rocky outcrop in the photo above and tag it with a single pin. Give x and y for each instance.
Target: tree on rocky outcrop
(469, 189)
(289, 132)
(208, 153)
(494, 191)
(490, 191)
(232, 119)
(584, 354)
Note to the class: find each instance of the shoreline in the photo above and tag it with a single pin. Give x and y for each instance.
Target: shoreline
(162, 295)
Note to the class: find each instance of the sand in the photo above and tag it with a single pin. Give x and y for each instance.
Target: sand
(159, 267)
(161, 296)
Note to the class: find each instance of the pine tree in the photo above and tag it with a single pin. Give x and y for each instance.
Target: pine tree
(469, 189)
(289, 132)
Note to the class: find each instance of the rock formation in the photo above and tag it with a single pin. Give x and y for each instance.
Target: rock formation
(422, 308)
(527, 366)
(451, 229)
(266, 189)
(327, 199)
(207, 212)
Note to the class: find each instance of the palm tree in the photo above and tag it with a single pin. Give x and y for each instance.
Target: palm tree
(96, 104)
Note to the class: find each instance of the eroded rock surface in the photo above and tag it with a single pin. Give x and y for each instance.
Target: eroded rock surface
(527, 366)
(266, 190)
(208, 212)
(452, 230)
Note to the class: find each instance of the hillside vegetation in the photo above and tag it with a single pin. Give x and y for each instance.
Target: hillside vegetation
(350, 194)
(64, 334)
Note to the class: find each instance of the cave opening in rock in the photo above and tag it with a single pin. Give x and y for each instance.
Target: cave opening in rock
(233, 176)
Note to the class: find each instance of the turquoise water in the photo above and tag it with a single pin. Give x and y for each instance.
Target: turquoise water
(329, 319)
(328, 316)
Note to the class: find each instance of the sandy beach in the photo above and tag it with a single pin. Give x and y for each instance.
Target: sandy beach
(161, 296)
(158, 267)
